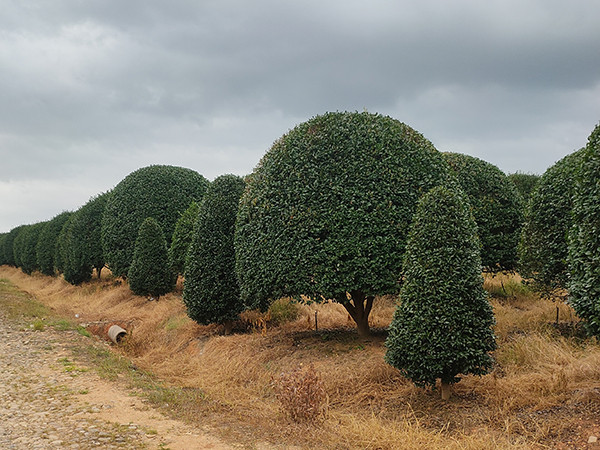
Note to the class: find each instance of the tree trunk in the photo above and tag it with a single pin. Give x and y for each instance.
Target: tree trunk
(227, 327)
(446, 391)
(359, 310)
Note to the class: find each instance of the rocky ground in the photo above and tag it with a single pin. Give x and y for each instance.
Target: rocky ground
(49, 400)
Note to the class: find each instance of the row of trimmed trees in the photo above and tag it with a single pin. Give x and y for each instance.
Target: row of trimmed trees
(560, 243)
(326, 216)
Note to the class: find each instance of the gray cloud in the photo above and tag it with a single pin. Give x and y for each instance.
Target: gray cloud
(94, 90)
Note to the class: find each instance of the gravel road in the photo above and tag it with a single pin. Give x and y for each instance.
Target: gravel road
(48, 400)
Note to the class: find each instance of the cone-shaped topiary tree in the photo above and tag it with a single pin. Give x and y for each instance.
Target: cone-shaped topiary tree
(210, 289)
(46, 246)
(161, 192)
(326, 212)
(150, 273)
(443, 325)
(497, 208)
(543, 248)
(584, 238)
(182, 237)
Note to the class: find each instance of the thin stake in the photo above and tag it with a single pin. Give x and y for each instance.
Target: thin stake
(316, 322)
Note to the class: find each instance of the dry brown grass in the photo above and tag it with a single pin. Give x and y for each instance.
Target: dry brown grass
(543, 393)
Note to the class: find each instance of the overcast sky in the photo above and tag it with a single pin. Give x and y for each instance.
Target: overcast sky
(91, 90)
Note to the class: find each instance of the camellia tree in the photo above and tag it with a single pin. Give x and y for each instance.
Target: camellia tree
(326, 212)
(161, 192)
(543, 249)
(46, 246)
(150, 273)
(86, 229)
(496, 206)
(210, 291)
(443, 325)
(28, 256)
(584, 237)
(182, 237)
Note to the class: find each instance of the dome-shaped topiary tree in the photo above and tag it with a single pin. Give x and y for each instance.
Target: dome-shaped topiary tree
(443, 325)
(46, 246)
(210, 291)
(584, 237)
(326, 212)
(543, 249)
(161, 192)
(182, 237)
(150, 273)
(497, 208)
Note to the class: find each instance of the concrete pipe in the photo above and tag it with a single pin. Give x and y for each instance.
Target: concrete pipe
(116, 333)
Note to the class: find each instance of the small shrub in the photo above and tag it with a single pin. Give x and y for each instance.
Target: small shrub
(301, 394)
(150, 273)
(283, 310)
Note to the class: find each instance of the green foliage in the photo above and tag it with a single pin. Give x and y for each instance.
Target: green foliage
(525, 183)
(161, 192)
(327, 209)
(9, 246)
(3, 259)
(27, 244)
(182, 237)
(46, 246)
(496, 206)
(150, 273)
(543, 249)
(443, 326)
(84, 244)
(17, 243)
(584, 238)
(70, 259)
(210, 292)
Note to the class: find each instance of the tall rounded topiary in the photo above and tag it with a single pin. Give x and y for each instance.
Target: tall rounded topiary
(85, 244)
(150, 273)
(443, 325)
(326, 212)
(27, 247)
(182, 237)
(584, 237)
(46, 246)
(161, 192)
(9, 245)
(496, 206)
(543, 249)
(70, 260)
(210, 291)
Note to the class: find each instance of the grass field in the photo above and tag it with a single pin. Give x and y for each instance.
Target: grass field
(544, 391)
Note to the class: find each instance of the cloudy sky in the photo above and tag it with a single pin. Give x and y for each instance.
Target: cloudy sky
(91, 90)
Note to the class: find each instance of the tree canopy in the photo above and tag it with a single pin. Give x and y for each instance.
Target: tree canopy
(161, 192)
(443, 326)
(326, 212)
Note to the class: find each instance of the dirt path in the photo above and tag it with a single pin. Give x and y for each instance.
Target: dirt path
(49, 399)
